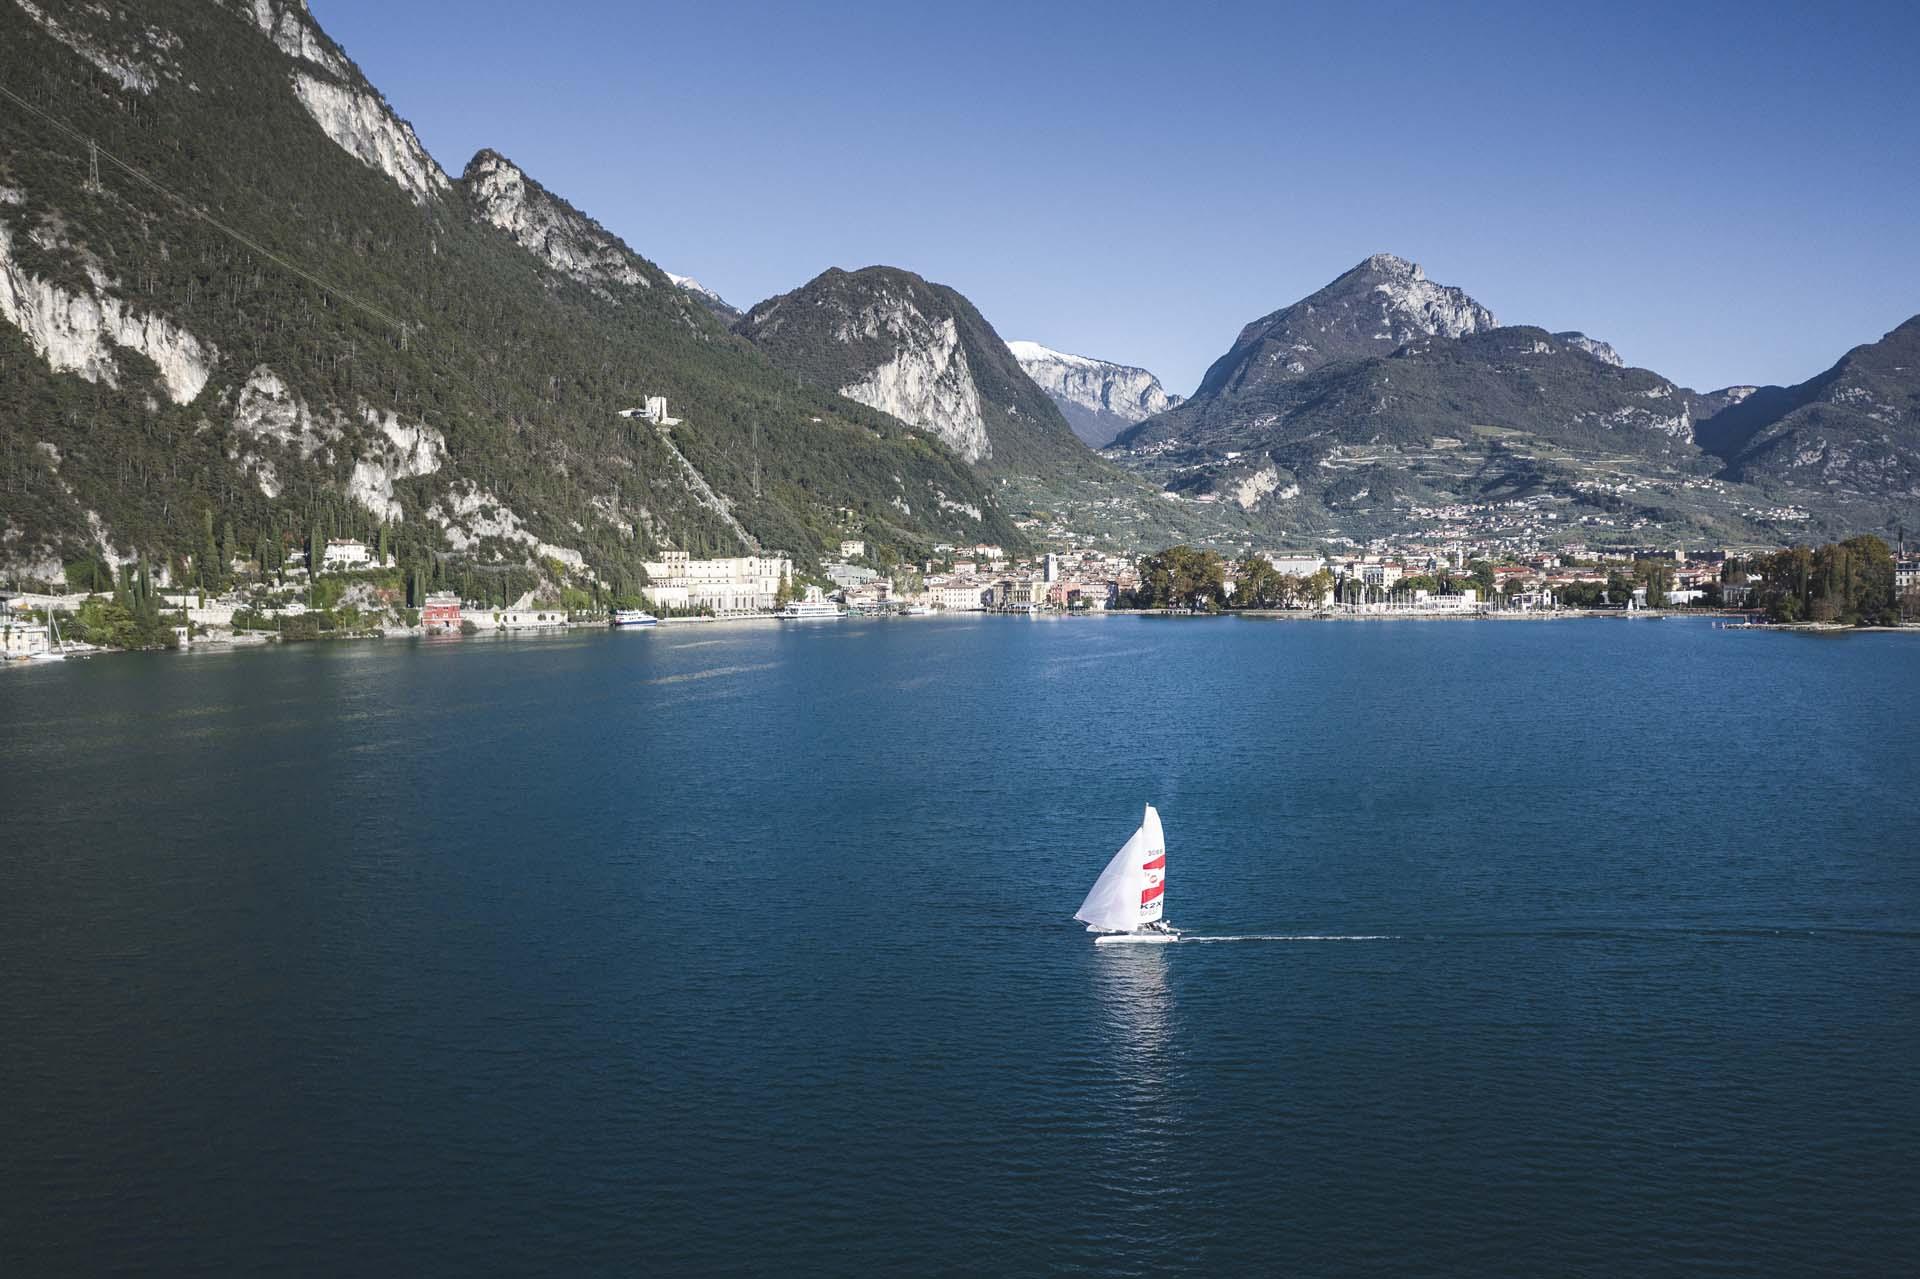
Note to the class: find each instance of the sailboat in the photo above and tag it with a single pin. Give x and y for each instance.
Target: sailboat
(57, 652)
(1127, 900)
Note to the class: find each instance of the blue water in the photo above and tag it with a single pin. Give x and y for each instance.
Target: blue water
(747, 949)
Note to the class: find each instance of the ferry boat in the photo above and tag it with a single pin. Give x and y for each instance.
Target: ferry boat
(815, 607)
(805, 610)
(626, 619)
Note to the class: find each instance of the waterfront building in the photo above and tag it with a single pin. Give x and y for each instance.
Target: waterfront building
(1295, 565)
(965, 596)
(441, 611)
(22, 638)
(728, 586)
(1906, 574)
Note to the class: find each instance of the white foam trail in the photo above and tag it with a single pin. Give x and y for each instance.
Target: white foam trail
(1300, 937)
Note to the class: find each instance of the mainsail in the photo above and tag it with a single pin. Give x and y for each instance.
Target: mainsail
(1131, 891)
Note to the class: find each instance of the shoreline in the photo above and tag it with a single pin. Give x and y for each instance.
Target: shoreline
(265, 639)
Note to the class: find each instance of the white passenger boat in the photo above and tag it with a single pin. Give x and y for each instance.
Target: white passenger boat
(1130, 896)
(626, 619)
(815, 607)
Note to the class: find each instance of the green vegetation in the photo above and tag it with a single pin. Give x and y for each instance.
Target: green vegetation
(1850, 582)
(1181, 577)
(433, 316)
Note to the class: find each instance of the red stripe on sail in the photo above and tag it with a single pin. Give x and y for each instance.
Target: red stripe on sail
(1148, 894)
(1158, 863)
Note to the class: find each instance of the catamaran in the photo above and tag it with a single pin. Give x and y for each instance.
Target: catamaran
(1127, 900)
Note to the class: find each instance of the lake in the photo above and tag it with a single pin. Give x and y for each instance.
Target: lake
(748, 948)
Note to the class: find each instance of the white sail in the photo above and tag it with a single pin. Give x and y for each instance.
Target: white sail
(1131, 891)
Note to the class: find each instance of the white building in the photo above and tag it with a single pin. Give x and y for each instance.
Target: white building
(655, 412)
(1296, 565)
(344, 553)
(21, 639)
(852, 548)
(738, 584)
(958, 597)
(1050, 568)
(514, 619)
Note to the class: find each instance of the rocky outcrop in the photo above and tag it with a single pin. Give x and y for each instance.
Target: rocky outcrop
(1099, 398)
(921, 353)
(361, 124)
(401, 450)
(288, 27)
(1602, 351)
(503, 196)
(927, 382)
(76, 332)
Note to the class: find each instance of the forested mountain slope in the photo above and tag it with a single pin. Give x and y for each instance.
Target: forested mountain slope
(286, 315)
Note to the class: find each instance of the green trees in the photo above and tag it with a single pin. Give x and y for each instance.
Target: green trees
(1657, 577)
(1260, 585)
(1182, 577)
(1850, 582)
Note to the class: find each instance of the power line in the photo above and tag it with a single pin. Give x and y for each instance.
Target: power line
(95, 153)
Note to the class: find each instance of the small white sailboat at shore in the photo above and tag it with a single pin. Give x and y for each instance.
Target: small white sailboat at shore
(1127, 901)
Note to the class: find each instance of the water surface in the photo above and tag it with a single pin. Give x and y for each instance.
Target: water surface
(740, 948)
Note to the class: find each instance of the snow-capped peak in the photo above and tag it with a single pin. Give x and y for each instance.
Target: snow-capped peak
(692, 285)
(1098, 397)
(1026, 352)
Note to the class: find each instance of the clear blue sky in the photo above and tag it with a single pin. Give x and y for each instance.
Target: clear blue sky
(1728, 193)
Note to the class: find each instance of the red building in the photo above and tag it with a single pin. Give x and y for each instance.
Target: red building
(441, 612)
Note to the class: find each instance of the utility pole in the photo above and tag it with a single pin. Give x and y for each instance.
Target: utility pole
(93, 168)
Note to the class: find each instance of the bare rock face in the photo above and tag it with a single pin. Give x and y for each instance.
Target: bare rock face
(1099, 398)
(567, 240)
(1602, 351)
(361, 124)
(922, 353)
(77, 332)
(926, 383)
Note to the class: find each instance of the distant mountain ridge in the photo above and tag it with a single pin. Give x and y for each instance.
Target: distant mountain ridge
(1853, 430)
(1099, 398)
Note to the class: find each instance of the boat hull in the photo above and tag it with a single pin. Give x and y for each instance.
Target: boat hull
(1136, 939)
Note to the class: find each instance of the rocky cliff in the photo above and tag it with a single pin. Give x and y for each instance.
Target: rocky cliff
(922, 353)
(1100, 399)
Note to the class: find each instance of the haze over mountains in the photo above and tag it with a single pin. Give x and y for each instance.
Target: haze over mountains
(306, 321)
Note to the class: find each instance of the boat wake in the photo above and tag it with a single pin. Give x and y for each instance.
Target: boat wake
(1162, 939)
(1298, 937)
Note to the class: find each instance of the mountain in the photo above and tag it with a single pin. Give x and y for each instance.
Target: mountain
(1099, 399)
(276, 314)
(922, 353)
(1378, 306)
(727, 312)
(1385, 394)
(1852, 432)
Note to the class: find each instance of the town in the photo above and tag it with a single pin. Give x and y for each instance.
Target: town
(357, 590)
